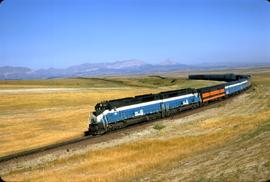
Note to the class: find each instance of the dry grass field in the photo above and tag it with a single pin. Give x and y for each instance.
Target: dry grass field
(35, 113)
(228, 143)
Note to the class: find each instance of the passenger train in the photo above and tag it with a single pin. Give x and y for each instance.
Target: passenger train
(119, 113)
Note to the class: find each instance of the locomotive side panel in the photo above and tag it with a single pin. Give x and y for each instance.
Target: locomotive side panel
(181, 101)
(132, 111)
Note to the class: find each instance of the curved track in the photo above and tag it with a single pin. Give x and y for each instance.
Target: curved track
(85, 140)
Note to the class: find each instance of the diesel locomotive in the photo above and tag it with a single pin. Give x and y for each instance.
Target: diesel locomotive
(114, 114)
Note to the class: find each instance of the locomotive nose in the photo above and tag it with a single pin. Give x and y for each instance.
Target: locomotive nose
(93, 119)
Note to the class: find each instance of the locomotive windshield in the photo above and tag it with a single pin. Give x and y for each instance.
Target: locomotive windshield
(100, 107)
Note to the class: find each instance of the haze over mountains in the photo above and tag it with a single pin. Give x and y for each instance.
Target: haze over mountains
(126, 67)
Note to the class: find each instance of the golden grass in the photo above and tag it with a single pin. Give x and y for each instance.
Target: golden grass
(25, 101)
(125, 161)
(107, 82)
(32, 120)
(212, 128)
(129, 160)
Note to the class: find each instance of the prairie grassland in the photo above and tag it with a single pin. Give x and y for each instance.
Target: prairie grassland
(152, 81)
(32, 120)
(39, 112)
(230, 142)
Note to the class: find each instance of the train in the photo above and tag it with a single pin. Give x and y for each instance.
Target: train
(119, 113)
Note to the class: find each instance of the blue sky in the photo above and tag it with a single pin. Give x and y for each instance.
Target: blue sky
(60, 33)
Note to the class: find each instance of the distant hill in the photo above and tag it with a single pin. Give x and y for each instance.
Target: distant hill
(10, 72)
(91, 69)
(126, 67)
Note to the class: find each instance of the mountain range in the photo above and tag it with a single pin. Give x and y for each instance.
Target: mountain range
(126, 67)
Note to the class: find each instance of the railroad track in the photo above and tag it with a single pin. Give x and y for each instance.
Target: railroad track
(42, 149)
(111, 134)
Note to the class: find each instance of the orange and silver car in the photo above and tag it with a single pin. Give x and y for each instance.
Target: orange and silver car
(212, 93)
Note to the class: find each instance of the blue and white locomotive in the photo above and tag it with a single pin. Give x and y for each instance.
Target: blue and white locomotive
(115, 114)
